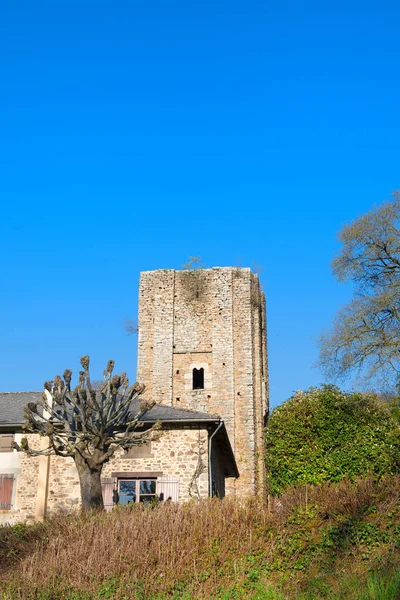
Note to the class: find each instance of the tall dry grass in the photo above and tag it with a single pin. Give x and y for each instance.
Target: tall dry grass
(203, 547)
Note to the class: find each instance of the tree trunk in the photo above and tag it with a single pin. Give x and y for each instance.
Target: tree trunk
(90, 481)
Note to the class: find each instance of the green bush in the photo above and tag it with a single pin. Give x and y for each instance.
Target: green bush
(325, 434)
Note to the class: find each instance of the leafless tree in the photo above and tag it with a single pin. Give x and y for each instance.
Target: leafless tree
(88, 425)
(130, 326)
(366, 333)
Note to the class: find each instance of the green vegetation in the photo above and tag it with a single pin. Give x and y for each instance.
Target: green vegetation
(336, 541)
(326, 435)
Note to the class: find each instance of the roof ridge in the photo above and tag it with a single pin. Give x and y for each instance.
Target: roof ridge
(24, 392)
(188, 410)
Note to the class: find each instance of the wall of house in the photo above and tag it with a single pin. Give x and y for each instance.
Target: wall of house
(26, 483)
(179, 454)
(213, 319)
(10, 464)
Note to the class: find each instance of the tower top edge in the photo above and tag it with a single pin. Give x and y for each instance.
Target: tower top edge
(246, 269)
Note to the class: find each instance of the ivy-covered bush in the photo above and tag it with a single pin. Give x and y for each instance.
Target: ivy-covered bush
(325, 434)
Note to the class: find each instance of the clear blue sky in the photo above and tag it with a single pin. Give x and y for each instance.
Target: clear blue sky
(134, 134)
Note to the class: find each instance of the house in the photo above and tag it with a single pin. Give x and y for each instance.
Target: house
(202, 356)
(192, 455)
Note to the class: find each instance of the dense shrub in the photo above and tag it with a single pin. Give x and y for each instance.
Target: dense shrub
(326, 435)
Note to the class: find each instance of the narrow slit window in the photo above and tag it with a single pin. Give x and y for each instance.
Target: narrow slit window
(198, 379)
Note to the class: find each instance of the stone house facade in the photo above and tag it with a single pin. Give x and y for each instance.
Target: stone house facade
(192, 455)
(202, 357)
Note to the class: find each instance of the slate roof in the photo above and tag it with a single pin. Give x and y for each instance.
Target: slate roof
(171, 414)
(12, 406)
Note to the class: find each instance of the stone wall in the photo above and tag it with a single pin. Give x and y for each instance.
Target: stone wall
(212, 319)
(64, 489)
(27, 482)
(179, 453)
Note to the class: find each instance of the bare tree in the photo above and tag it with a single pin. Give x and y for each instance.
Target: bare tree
(88, 425)
(130, 326)
(366, 333)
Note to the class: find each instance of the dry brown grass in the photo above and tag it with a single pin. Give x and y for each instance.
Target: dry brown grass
(171, 542)
(201, 546)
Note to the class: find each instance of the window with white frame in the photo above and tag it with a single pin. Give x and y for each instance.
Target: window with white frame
(129, 488)
(136, 490)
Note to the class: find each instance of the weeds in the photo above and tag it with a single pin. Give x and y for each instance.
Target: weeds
(308, 544)
(382, 587)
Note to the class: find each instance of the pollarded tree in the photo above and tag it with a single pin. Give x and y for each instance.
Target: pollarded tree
(366, 333)
(88, 425)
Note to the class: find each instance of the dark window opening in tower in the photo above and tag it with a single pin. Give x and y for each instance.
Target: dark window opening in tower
(198, 379)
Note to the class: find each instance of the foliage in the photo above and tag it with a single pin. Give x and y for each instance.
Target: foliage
(193, 279)
(366, 332)
(326, 435)
(308, 544)
(193, 263)
(381, 587)
(86, 424)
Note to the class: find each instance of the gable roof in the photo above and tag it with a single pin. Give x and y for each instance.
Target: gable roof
(12, 406)
(171, 414)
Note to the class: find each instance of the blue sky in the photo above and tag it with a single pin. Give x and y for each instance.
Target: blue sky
(136, 134)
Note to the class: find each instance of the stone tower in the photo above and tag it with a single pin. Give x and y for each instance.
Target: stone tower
(202, 346)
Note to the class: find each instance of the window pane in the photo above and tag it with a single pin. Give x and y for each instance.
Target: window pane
(127, 491)
(146, 499)
(147, 486)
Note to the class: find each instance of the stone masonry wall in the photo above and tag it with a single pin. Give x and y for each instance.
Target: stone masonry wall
(260, 380)
(178, 453)
(212, 319)
(64, 489)
(192, 303)
(146, 332)
(27, 482)
(243, 381)
(175, 454)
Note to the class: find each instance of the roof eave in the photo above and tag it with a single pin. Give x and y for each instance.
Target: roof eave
(16, 427)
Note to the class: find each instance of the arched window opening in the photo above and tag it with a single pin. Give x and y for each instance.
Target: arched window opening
(198, 379)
